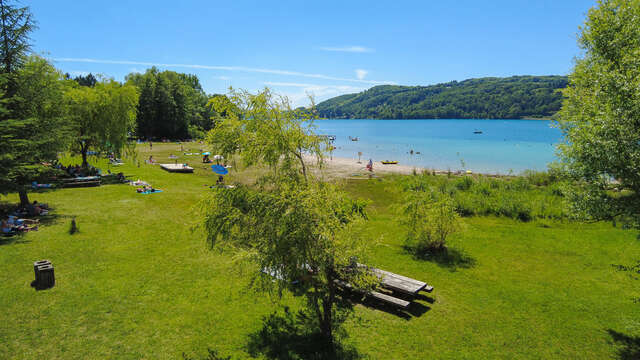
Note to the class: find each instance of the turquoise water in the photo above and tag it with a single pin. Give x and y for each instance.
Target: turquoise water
(504, 146)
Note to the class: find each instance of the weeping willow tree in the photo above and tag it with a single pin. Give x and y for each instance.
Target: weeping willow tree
(101, 117)
(264, 129)
(288, 224)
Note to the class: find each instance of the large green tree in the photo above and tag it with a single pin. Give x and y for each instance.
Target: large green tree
(17, 24)
(170, 103)
(288, 224)
(101, 117)
(264, 129)
(30, 105)
(31, 129)
(600, 116)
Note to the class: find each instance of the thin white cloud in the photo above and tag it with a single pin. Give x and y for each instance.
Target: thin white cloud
(226, 68)
(351, 49)
(360, 73)
(224, 78)
(319, 92)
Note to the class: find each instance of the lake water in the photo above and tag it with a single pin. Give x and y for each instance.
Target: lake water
(504, 146)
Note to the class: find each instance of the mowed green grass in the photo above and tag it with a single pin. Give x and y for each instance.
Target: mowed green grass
(137, 282)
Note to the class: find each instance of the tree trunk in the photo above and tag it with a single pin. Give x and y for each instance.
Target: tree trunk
(84, 159)
(83, 151)
(326, 323)
(301, 159)
(24, 197)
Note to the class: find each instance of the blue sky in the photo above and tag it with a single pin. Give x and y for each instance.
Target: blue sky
(326, 48)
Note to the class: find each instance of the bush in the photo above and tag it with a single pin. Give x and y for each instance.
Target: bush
(465, 183)
(430, 219)
(539, 178)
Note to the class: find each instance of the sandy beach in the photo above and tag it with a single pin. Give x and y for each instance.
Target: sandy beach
(341, 167)
(345, 167)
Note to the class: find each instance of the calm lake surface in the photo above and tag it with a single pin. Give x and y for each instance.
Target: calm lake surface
(504, 146)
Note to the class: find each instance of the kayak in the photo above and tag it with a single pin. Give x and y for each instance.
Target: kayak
(389, 162)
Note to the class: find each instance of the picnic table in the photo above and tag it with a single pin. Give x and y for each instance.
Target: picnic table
(400, 303)
(81, 181)
(400, 283)
(393, 282)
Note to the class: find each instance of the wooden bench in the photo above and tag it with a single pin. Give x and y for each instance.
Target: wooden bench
(399, 283)
(388, 299)
(81, 182)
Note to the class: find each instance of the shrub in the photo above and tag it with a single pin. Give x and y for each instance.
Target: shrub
(539, 178)
(465, 183)
(430, 219)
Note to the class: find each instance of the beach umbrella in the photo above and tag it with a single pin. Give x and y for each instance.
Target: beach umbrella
(218, 157)
(219, 169)
(206, 153)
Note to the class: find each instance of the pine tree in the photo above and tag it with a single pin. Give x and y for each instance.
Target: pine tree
(31, 95)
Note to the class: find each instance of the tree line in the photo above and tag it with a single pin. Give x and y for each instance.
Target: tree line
(171, 105)
(484, 98)
(44, 112)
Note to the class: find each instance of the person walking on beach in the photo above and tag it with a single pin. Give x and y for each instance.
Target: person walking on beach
(370, 165)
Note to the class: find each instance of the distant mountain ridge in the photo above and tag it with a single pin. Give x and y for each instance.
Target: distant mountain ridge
(513, 97)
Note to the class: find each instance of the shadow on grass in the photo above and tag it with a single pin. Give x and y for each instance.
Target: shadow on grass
(13, 239)
(629, 346)
(415, 309)
(285, 336)
(18, 238)
(51, 219)
(449, 258)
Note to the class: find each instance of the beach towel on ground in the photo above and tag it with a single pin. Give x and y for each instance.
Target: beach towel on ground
(150, 192)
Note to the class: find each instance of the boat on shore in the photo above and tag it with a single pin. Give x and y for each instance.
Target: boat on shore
(389, 162)
(476, 131)
(353, 138)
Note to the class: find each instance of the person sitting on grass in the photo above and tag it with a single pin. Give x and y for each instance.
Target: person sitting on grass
(36, 210)
(41, 205)
(146, 189)
(6, 228)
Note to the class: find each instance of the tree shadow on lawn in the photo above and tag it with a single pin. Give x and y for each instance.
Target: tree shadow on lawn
(415, 309)
(13, 239)
(285, 336)
(46, 220)
(629, 346)
(449, 258)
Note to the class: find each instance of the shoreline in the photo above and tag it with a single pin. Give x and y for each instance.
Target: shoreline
(349, 167)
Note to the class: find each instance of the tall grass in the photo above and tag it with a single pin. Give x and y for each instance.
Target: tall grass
(535, 195)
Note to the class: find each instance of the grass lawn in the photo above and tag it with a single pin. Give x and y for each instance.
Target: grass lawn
(137, 282)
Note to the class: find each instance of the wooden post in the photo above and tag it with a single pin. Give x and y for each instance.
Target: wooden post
(35, 268)
(45, 277)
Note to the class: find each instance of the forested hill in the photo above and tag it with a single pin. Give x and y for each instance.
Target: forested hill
(483, 98)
